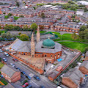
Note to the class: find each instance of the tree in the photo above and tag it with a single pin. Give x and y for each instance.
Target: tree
(3, 35)
(25, 27)
(34, 27)
(85, 9)
(83, 28)
(0, 27)
(9, 14)
(17, 4)
(41, 27)
(86, 49)
(42, 15)
(17, 28)
(21, 16)
(84, 34)
(74, 36)
(24, 37)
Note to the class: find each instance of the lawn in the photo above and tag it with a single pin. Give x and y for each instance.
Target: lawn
(74, 45)
(1, 65)
(4, 81)
(15, 17)
(6, 17)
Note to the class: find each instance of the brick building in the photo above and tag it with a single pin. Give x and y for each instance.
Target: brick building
(10, 74)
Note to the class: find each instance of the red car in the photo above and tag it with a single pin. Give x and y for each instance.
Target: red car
(15, 60)
(25, 85)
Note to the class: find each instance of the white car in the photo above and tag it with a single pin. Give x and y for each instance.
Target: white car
(13, 65)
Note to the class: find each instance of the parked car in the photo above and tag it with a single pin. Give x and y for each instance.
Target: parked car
(25, 85)
(37, 77)
(29, 86)
(6, 54)
(15, 60)
(13, 65)
(41, 86)
(4, 59)
(23, 72)
(18, 69)
(28, 77)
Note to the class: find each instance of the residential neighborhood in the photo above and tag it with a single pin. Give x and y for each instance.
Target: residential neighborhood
(43, 44)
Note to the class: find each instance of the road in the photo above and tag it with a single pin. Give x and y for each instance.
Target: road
(44, 80)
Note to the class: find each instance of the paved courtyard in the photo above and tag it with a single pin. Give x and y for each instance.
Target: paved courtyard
(38, 62)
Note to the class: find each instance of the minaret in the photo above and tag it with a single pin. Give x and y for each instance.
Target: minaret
(38, 35)
(32, 46)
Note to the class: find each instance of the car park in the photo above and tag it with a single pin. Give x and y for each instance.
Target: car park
(25, 85)
(37, 77)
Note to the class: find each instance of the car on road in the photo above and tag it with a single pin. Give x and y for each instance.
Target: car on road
(23, 72)
(25, 85)
(4, 59)
(13, 65)
(41, 86)
(15, 60)
(28, 77)
(0, 50)
(6, 54)
(29, 86)
(37, 77)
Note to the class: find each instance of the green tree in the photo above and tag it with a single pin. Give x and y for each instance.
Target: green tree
(21, 16)
(3, 35)
(83, 28)
(17, 4)
(42, 15)
(34, 27)
(86, 49)
(9, 14)
(25, 27)
(85, 9)
(0, 27)
(17, 28)
(74, 36)
(24, 37)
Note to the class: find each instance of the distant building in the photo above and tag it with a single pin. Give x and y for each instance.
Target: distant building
(10, 74)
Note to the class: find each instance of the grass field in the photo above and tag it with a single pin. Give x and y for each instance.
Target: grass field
(74, 45)
(1, 65)
(67, 41)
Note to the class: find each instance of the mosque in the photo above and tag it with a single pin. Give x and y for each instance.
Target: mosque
(47, 48)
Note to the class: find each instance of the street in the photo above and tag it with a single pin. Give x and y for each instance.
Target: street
(44, 80)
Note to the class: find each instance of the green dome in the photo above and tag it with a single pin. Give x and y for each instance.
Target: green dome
(48, 43)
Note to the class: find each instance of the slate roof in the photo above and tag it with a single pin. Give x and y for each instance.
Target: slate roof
(21, 46)
(74, 75)
(8, 70)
